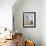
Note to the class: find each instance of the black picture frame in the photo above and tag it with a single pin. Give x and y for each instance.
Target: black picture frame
(29, 19)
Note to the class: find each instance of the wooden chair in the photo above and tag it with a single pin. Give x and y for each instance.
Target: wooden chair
(18, 39)
(29, 43)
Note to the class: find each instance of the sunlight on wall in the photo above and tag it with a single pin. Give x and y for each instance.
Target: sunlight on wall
(6, 18)
(6, 13)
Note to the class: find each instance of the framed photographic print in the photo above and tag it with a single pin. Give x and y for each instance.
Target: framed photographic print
(29, 19)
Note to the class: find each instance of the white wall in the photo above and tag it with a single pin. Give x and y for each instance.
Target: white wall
(43, 22)
(6, 13)
(29, 33)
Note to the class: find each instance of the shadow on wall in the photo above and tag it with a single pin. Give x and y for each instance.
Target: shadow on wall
(31, 6)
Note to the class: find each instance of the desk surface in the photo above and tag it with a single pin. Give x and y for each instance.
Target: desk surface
(8, 43)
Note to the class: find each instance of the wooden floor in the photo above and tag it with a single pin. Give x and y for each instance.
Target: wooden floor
(9, 43)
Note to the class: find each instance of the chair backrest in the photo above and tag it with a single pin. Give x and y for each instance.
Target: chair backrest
(29, 43)
(18, 37)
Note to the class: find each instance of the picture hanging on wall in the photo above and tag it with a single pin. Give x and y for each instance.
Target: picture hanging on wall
(29, 19)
